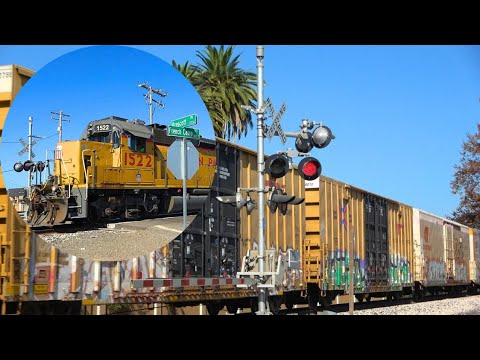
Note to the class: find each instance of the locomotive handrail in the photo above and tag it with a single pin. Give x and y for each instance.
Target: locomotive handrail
(68, 176)
(85, 171)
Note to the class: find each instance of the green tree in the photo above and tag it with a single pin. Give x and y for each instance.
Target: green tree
(186, 70)
(466, 182)
(224, 88)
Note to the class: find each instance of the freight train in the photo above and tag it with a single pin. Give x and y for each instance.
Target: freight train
(117, 170)
(398, 251)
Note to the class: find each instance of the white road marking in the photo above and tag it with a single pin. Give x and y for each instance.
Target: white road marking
(169, 229)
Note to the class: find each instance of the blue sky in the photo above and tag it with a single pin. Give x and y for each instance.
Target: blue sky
(399, 113)
(90, 84)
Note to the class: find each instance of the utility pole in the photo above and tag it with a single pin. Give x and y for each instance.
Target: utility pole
(60, 119)
(151, 100)
(263, 295)
(30, 151)
(320, 138)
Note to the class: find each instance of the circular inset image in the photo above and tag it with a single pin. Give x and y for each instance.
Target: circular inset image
(113, 151)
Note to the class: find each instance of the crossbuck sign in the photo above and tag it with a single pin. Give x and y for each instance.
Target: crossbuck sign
(276, 128)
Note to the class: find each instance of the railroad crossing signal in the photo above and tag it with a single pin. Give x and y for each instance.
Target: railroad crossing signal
(277, 166)
(279, 199)
(29, 165)
(26, 147)
(276, 128)
(309, 168)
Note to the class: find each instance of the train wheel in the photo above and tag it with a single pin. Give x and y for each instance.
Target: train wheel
(232, 308)
(213, 308)
(275, 302)
(289, 305)
(368, 298)
(360, 298)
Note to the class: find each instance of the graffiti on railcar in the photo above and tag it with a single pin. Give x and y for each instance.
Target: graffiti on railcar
(337, 268)
(436, 270)
(460, 272)
(400, 270)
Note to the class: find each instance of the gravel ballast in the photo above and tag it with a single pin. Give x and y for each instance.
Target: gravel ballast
(469, 305)
(120, 242)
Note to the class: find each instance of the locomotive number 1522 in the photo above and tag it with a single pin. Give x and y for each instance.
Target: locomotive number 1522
(137, 160)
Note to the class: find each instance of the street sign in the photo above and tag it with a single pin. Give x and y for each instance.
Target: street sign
(184, 132)
(188, 120)
(174, 159)
(276, 127)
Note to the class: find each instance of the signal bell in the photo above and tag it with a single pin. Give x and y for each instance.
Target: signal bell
(322, 136)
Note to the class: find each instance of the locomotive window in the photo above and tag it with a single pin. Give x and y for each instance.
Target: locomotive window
(136, 143)
(100, 137)
(116, 139)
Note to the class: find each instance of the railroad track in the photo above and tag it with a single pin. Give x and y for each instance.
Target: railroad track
(374, 304)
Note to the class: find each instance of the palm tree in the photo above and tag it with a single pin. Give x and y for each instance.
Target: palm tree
(224, 87)
(186, 70)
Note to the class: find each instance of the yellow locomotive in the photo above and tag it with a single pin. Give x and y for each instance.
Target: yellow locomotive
(118, 170)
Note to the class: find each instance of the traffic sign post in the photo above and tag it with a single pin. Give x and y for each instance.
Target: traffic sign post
(184, 180)
(179, 128)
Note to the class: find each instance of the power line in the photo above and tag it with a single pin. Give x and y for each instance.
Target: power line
(60, 119)
(19, 142)
(151, 100)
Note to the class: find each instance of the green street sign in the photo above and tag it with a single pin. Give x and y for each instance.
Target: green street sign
(183, 132)
(188, 120)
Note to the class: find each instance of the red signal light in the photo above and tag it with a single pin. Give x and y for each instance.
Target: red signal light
(28, 165)
(309, 168)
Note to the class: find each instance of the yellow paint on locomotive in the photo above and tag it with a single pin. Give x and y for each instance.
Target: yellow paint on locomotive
(109, 167)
